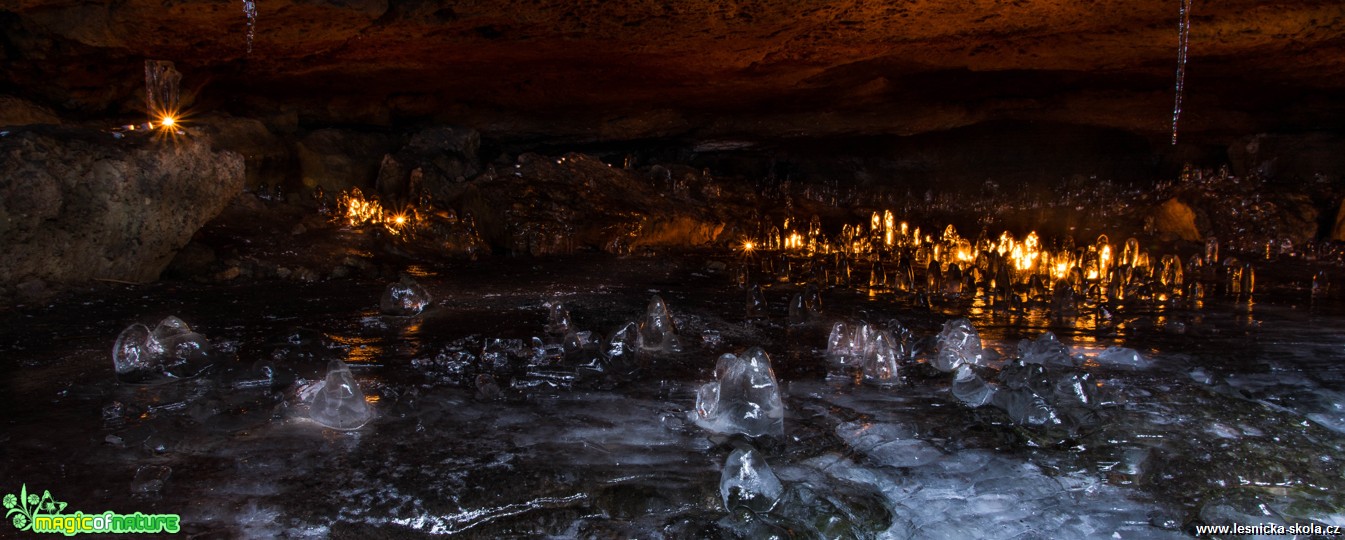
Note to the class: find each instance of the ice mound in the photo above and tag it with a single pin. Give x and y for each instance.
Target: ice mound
(657, 331)
(970, 388)
(1121, 357)
(805, 306)
(744, 398)
(339, 402)
(404, 298)
(959, 343)
(172, 349)
(1045, 350)
(747, 481)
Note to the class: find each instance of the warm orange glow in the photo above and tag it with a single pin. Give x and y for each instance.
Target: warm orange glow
(167, 121)
(399, 220)
(748, 246)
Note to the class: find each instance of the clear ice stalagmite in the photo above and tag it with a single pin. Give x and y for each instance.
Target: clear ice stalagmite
(339, 403)
(959, 343)
(747, 481)
(744, 397)
(657, 331)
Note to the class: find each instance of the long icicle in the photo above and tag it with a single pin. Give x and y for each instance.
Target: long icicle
(1183, 41)
(250, 11)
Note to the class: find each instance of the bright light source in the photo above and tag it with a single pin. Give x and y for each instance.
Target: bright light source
(167, 121)
(399, 219)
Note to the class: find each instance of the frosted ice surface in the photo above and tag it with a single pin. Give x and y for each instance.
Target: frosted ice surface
(405, 297)
(747, 481)
(340, 404)
(744, 398)
(1122, 357)
(890, 445)
(970, 388)
(657, 331)
(959, 343)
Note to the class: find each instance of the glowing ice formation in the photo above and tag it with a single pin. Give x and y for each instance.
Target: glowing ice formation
(405, 297)
(339, 403)
(959, 343)
(744, 398)
(747, 481)
(657, 331)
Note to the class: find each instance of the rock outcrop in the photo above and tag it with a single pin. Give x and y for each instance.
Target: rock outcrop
(77, 205)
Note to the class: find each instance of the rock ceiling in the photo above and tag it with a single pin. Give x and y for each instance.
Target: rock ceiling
(612, 70)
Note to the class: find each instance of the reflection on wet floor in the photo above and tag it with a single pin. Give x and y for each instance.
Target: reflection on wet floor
(1230, 413)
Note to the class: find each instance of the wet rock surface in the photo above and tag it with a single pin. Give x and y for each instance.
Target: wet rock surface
(77, 205)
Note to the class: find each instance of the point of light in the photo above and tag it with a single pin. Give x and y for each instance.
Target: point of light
(399, 219)
(167, 121)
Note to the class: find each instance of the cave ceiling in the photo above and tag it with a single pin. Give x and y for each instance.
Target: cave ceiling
(624, 70)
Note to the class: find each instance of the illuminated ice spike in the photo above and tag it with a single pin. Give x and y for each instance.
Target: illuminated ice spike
(959, 343)
(404, 298)
(250, 11)
(657, 331)
(744, 397)
(747, 481)
(970, 388)
(339, 403)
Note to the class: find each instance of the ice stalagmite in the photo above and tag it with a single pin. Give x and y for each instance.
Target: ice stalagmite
(657, 331)
(747, 481)
(744, 398)
(959, 343)
(339, 403)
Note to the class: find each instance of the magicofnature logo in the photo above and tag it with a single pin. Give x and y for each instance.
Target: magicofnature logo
(44, 514)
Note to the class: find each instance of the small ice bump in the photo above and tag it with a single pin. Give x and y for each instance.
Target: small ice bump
(744, 398)
(1122, 357)
(170, 350)
(747, 481)
(657, 331)
(339, 403)
(150, 479)
(1025, 407)
(404, 298)
(959, 343)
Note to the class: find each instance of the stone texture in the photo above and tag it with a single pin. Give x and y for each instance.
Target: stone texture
(1176, 219)
(340, 159)
(1338, 231)
(266, 156)
(604, 70)
(21, 112)
(77, 205)
(431, 163)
